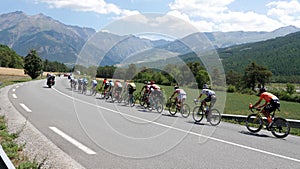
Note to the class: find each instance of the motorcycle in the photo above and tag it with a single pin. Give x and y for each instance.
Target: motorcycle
(50, 81)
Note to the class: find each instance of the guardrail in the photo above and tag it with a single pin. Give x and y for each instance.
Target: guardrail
(5, 162)
(240, 118)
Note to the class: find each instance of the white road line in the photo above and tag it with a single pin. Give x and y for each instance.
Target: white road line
(73, 141)
(25, 107)
(14, 96)
(13, 90)
(185, 131)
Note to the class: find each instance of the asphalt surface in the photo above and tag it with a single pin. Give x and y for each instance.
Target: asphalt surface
(96, 134)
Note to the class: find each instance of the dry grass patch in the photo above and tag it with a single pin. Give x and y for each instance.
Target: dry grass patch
(12, 72)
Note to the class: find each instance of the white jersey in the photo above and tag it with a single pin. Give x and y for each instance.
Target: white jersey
(208, 92)
(180, 91)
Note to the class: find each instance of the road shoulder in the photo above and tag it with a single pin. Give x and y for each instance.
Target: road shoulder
(37, 146)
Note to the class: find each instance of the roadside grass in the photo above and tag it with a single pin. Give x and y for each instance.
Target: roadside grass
(6, 80)
(14, 151)
(7, 140)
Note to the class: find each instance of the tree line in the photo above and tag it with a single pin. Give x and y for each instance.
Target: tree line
(191, 74)
(9, 58)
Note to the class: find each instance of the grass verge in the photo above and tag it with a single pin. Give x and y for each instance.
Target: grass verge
(7, 140)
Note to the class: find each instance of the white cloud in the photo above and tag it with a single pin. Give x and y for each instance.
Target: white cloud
(215, 15)
(287, 12)
(98, 6)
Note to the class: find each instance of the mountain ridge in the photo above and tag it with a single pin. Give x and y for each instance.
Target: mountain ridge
(56, 41)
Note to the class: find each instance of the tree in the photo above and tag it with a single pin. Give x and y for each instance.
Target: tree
(202, 78)
(256, 74)
(33, 64)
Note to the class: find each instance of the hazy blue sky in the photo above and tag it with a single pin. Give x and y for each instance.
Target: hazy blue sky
(206, 15)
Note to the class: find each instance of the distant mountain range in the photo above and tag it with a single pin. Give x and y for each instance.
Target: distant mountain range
(56, 41)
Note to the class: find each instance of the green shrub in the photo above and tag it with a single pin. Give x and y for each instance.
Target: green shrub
(231, 89)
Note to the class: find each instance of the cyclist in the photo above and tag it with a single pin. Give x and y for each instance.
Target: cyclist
(131, 87)
(146, 89)
(272, 103)
(105, 86)
(118, 89)
(181, 96)
(94, 85)
(211, 97)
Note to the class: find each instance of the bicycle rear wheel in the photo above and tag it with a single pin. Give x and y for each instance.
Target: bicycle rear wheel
(198, 114)
(280, 128)
(215, 117)
(254, 123)
(185, 110)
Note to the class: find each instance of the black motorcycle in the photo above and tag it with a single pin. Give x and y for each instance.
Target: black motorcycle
(50, 81)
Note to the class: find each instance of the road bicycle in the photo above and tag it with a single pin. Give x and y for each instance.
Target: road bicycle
(154, 102)
(143, 99)
(129, 99)
(213, 116)
(279, 127)
(172, 105)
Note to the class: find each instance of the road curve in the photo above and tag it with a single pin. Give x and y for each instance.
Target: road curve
(99, 134)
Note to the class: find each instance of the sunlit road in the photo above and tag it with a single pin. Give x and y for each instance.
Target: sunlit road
(100, 134)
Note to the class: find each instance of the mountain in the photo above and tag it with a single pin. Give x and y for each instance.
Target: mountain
(226, 39)
(56, 41)
(280, 55)
(53, 40)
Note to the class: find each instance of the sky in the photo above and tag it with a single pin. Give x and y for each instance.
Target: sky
(205, 15)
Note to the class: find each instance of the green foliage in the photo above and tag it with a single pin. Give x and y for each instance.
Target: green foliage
(54, 66)
(290, 88)
(9, 58)
(231, 89)
(280, 55)
(256, 74)
(234, 78)
(106, 71)
(33, 64)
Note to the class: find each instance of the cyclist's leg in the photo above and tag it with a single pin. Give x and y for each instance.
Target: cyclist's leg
(212, 102)
(266, 111)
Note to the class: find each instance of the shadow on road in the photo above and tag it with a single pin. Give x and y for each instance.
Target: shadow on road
(254, 134)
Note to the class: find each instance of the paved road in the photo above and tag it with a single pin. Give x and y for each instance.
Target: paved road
(100, 134)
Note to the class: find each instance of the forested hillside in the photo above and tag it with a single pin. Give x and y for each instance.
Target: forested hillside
(280, 55)
(9, 58)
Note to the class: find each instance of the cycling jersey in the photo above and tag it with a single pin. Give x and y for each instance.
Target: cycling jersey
(94, 82)
(181, 94)
(208, 92)
(268, 97)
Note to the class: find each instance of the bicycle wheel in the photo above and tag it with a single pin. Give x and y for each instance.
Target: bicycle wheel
(142, 100)
(254, 123)
(159, 107)
(215, 117)
(172, 107)
(198, 114)
(185, 110)
(280, 128)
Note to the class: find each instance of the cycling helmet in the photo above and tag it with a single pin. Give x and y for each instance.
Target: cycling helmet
(176, 87)
(145, 82)
(205, 86)
(261, 90)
